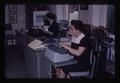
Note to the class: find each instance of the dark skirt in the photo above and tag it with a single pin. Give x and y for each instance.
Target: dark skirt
(78, 67)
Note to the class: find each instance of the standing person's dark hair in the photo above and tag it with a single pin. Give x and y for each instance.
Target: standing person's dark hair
(51, 16)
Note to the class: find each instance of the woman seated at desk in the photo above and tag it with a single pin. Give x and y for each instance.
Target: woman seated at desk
(80, 49)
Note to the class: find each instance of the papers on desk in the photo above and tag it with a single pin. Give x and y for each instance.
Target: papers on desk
(46, 27)
(35, 44)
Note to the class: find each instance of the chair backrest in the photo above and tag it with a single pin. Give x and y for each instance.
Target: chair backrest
(88, 30)
(93, 58)
(93, 64)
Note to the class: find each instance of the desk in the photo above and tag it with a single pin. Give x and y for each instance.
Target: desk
(38, 66)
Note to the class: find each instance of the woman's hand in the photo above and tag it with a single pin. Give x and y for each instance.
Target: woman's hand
(76, 52)
(65, 46)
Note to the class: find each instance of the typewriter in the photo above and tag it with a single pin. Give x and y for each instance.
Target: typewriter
(57, 54)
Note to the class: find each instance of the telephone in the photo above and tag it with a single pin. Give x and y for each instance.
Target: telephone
(35, 44)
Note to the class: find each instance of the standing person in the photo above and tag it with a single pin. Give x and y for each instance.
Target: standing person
(53, 25)
(80, 49)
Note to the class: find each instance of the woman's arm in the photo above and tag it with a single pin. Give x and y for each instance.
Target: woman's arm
(48, 32)
(45, 31)
(77, 52)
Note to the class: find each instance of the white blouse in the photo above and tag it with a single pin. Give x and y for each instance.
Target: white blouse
(78, 39)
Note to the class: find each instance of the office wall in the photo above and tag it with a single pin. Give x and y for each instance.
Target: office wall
(84, 15)
(98, 15)
(6, 15)
(52, 8)
(103, 15)
(95, 15)
(20, 17)
(62, 12)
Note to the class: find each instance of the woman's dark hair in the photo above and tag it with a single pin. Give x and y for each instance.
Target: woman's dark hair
(51, 15)
(78, 25)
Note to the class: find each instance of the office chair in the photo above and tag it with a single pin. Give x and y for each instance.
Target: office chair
(89, 73)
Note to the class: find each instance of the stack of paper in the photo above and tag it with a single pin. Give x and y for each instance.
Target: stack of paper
(35, 44)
